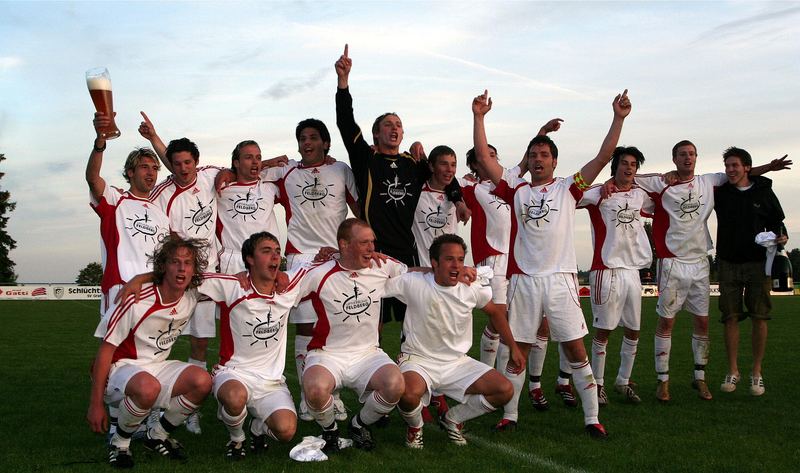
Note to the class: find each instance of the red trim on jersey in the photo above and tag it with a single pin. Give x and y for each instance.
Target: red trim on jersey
(127, 349)
(577, 194)
(323, 326)
(504, 191)
(283, 199)
(660, 225)
(600, 232)
(481, 249)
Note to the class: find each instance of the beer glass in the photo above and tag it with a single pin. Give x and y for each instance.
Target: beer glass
(99, 82)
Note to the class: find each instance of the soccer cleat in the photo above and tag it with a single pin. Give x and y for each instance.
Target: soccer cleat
(729, 385)
(596, 431)
(662, 391)
(119, 457)
(440, 403)
(234, 451)
(414, 437)
(538, 400)
(168, 447)
(602, 397)
(304, 413)
(565, 391)
(362, 437)
(193, 423)
(505, 425)
(702, 389)
(331, 438)
(339, 411)
(629, 393)
(258, 444)
(455, 432)
(756, 385)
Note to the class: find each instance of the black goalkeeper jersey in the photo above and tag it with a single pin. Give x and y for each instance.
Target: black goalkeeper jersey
(388, 185)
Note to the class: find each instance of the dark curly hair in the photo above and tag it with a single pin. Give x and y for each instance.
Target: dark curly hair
(168, 246)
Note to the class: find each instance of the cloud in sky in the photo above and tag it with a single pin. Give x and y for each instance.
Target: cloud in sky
(9, 62)
(771, 22)
(294, 85)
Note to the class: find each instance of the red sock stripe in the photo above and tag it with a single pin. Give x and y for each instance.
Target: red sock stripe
(130, 407)
(383, 402)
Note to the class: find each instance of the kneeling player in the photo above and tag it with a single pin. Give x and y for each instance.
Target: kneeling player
(437, 335)
(131, 369)
(344, 350)
(249, 376)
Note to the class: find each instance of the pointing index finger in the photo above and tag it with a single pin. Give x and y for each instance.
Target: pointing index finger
(144, 115)
(345, 50)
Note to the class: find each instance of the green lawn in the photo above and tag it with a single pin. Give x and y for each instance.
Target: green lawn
(46, 348)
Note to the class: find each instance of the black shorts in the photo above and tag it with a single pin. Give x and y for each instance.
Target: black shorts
(744, 285)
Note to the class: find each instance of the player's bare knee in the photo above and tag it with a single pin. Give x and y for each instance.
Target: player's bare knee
(199, 381)
(285, 430)
(143, 390)
(504, 393)
(317, 395)
(233, 400)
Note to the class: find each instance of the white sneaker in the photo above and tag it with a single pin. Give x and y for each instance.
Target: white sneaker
(303, 411)
(193, 423)
(339, 411)
(756, 385)
(729, 385)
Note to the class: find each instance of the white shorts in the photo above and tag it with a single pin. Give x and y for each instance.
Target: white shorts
(304, 312)
(616, 296)
(451, 379)
(166, 372)
(203, 323)
(499, 283)
(350, 370)
(231, 262)
(531, 297)
(682, 286)
(263, 396)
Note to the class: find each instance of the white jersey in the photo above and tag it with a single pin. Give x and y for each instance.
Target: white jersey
(192, 210)
(145, 331)
(348, 304)
(434, 216)
(491, 219)
(245, 209)
(542, 225)
(681, 213)
(316, 199)
(618, 236)
(438, 323)
(252, 325)
(130, 229)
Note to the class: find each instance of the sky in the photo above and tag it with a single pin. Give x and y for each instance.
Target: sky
(719, 73)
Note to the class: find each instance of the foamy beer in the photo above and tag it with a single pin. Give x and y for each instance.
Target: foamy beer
(99, 82)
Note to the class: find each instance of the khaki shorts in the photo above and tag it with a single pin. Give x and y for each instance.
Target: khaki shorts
(743, 285)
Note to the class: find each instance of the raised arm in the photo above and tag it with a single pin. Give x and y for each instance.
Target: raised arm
(622, 107)
(779, 164)
(96, 183)
(148, 131)
(489, 167)
(357, 147)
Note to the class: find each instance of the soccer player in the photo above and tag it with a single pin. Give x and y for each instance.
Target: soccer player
(344, 350)
(130, 225)
(437, 335)
(316, 195)
(682, 242)
(745, 207)
(542, 260)
(249, 376)
(131, 369)
(621, 248)
(244, 207)
(388, 181)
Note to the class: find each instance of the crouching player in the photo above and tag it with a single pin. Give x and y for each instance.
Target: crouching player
(131, 369)
(437, 335)
(249, 376)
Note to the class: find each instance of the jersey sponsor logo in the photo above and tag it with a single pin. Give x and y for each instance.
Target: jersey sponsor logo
(433, 219)
(313, 192)
(626, 217)
(355, 304)
(264, 330)
(142, 225)
(353, 275)
(39, 291)
(245, 206)
(166, 338)
(689, 205)
(396, 191)
(497, 202)
(537, 211)
(201, 216)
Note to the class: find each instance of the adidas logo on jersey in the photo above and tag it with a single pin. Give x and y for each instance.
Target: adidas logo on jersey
(393, 166)
(691, 186)
(315, 171)
(544, 189)
(195, 190)
(353, 275)
(440, 197)
(173, 311)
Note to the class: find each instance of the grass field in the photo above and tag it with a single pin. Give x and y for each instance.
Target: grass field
(46, 348)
